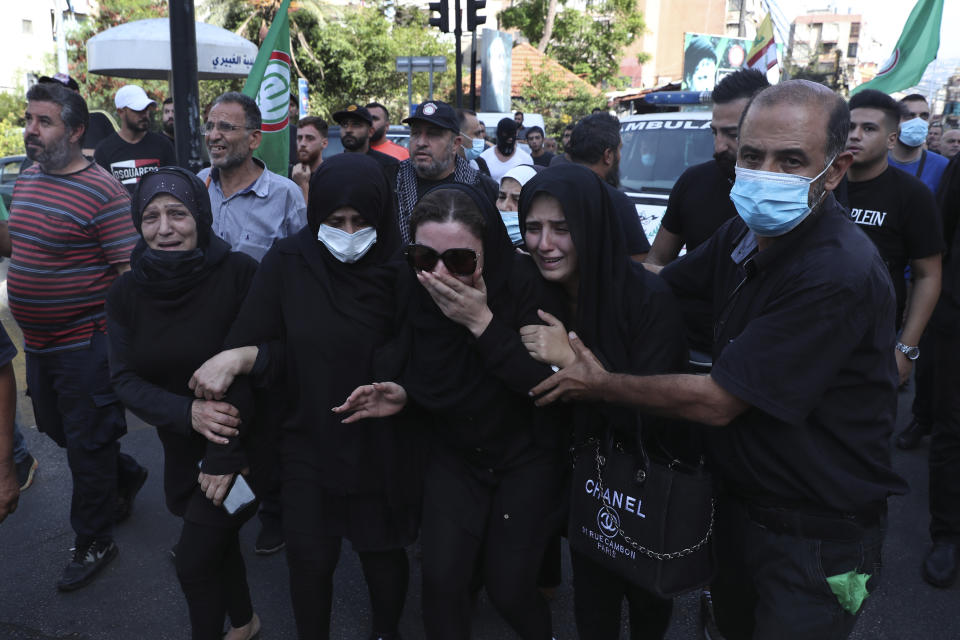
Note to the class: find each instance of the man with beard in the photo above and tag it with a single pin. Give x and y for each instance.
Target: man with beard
(252, 207)
(434, 141)
(134, 150)
(700, 200)
(166, 119)
(595, 143)
(506, 155)
(537, 144)
(72, 236)
(378, 139)
(356, 128)
(560, 158)
(311, 141)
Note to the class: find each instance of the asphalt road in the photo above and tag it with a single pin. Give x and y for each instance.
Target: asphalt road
(137, 596)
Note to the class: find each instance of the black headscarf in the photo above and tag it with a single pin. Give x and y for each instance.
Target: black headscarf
(173, 272)
(606, 274)
(362, 290)
(444, 371)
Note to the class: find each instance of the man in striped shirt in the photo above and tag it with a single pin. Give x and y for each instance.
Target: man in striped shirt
(71, 237)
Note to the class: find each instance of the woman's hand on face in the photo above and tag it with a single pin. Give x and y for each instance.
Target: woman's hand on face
(376, 400)
(215, 487)
(215, 376)
(548, 342)
(215, 421)
(464, 304)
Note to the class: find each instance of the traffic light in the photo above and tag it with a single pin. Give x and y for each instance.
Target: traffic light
(443, 22)
(472, 18)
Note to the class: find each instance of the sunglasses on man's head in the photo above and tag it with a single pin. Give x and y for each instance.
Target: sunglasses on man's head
(460, 262)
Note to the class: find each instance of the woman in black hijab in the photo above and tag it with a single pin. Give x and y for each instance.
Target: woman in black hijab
(493, 477)
(327, 295)
(166, 316)
(629, 319)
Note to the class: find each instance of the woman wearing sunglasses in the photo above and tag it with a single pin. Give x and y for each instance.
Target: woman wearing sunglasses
(630, 320)
(164, 318)
(328, 295)
(493, 478)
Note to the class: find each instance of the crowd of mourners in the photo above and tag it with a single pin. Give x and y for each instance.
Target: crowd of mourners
(401, 347)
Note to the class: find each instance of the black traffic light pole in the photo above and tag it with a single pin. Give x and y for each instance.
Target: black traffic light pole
(457, 34)
(183, 72)
(442, 7)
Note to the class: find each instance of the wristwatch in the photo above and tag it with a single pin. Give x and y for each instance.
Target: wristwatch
(912, 353)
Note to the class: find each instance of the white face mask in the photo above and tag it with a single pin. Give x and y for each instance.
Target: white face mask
(347, 247)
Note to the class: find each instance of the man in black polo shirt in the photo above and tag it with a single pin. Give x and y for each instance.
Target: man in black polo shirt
(898, 213)
(700, 200)
(803, 384)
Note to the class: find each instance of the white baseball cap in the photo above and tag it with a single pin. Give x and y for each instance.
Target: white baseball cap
(131, 96)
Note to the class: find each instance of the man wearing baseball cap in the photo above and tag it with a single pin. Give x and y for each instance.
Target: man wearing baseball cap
(134, 150)
(434, 140)
(356, 128)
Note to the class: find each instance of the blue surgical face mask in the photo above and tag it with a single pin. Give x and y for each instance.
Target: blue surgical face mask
(512, 221)
(476, 148)
(347, 247)
(913, 133)
(771, 203)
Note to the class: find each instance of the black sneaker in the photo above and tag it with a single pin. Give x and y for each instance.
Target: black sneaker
(270, 539)
(25, 471)
(87, 562)
(127, 494)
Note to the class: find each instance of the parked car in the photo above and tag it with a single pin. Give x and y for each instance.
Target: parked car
(657, 148)
(9, 172)
(396, 133)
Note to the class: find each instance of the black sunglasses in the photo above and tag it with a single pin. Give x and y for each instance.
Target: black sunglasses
(461, 262)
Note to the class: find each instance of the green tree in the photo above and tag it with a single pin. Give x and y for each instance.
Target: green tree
(558, 102)
(347, 54)
(590, 42)
(99, 90)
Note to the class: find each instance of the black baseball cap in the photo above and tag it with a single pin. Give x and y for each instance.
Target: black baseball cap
(353, 111)
(437, 113)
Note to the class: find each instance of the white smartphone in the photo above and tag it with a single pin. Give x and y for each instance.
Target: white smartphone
(239, 496)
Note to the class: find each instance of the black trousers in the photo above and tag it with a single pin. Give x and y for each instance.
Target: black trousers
(925, 379)
(312, 560)
(774, 585)
(490, 526)
(597, 599)
(213, 578)
(945, 440)
(74, 404)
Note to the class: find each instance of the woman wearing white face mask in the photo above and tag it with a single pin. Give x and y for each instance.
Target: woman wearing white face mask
(509, 197)
(328, 295)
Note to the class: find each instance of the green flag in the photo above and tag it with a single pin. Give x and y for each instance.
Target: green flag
(916, 48)
(269, 84)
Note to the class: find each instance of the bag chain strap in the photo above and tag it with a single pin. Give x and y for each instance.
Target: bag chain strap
(650, 553)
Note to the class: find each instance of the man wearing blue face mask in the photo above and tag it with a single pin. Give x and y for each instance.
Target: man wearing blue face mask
(803, 382)
(473, 140)
(908, 154)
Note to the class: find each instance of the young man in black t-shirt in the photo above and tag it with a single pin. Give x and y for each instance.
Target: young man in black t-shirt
(134, 150)
(898, 213)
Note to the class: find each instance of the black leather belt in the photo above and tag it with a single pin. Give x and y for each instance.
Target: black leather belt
(845, 527)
